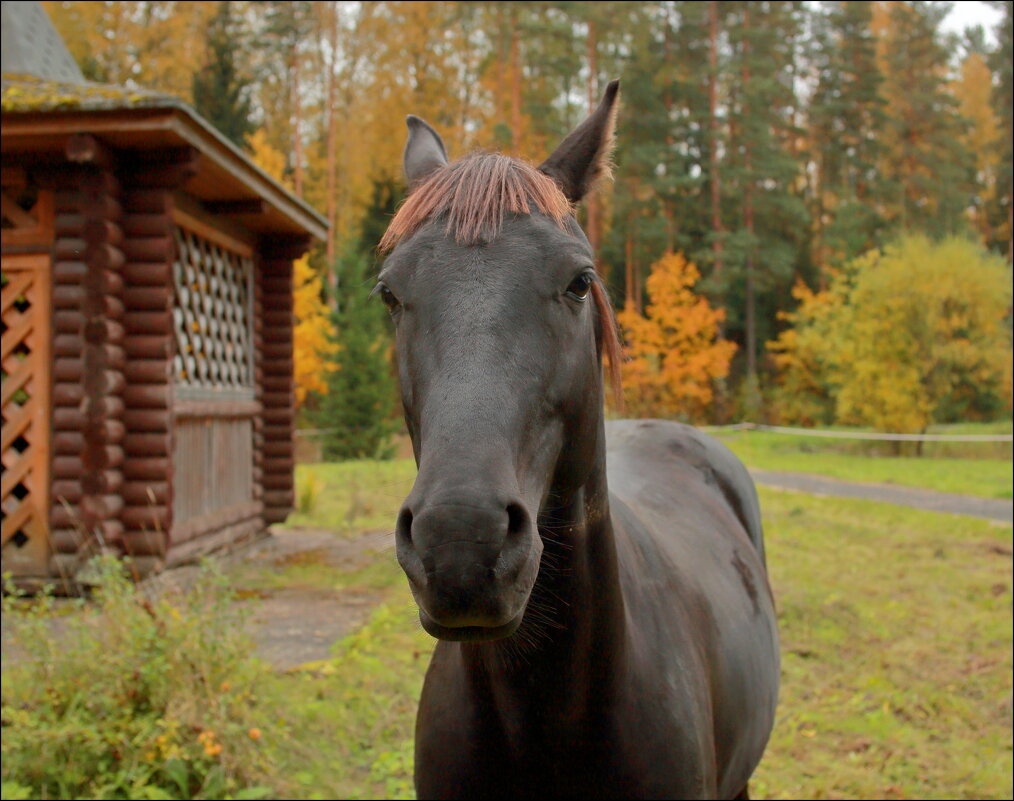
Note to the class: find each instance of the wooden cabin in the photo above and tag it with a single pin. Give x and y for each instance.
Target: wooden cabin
(146, 330)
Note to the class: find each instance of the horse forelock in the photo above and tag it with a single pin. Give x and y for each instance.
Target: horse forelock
(474, 194)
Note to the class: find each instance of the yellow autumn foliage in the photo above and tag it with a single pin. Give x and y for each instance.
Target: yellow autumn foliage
(800, 355)
(269, 159)
(675, 353)
(914, 335)
(313, 344)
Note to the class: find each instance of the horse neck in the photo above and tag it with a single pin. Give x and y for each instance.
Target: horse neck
(575, 620)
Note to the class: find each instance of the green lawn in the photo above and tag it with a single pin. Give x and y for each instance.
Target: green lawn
(896, 640)
(984, 477)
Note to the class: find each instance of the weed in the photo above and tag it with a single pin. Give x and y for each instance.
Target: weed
(309, 489)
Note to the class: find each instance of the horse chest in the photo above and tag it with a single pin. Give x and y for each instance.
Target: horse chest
(628, 746)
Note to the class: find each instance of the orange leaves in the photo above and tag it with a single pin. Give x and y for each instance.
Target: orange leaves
(675, 353)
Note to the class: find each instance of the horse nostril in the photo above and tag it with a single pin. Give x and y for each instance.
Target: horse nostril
(517, 519)
(403, 529)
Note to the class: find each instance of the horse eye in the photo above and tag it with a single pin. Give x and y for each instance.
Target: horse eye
(580, 287)
(388, 297)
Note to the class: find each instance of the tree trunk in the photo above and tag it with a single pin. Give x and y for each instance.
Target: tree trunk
(628, 289)
(717, 244)
(594, 210)
(751, 322)
(670, 141)
(332, 141)
(297, 124)
(636, 269)
(515, 70)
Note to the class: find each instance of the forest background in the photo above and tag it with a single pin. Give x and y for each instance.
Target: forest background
(787, 173)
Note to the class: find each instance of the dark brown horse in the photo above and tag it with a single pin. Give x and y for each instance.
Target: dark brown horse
(604, 632)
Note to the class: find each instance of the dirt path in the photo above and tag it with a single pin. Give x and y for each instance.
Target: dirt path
(292, 625)
(988, 508)
(295, 625)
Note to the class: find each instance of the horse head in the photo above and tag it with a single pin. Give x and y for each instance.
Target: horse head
(500, 324)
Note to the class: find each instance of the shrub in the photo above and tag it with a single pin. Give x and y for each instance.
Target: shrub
(915, 335)
(132, 698)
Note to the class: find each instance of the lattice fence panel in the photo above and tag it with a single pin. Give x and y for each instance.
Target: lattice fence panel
(24, 441)
(212, 314)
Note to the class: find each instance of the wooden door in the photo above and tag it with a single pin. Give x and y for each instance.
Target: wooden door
(26, 412)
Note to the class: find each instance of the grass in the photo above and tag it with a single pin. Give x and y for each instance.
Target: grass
(351, 496)
(347, 723)
(982, 477)
(896, 640)
(896, 647)
(373, 571)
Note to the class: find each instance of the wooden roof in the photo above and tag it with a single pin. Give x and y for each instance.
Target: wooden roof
(39, 116)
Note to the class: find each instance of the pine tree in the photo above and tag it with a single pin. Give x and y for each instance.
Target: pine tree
(929, 171)
(846, 117)
(287, 30)
(766, 244)
(973, 88)
(1003, 100)
(658, 201)
(221, 92)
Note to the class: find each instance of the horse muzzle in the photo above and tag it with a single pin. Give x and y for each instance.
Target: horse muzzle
(471, 566)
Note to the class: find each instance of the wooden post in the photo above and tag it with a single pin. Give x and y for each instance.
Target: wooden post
(99, 315)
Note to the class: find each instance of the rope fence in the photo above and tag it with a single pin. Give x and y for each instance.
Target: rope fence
(807, 432)
(862, 435)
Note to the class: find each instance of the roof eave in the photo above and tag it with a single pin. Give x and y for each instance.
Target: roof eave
(176, 118)
(208, 140)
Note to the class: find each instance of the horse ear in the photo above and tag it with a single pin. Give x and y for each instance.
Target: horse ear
(424, 151)
(582, 158)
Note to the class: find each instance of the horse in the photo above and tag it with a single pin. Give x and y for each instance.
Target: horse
(598, 591)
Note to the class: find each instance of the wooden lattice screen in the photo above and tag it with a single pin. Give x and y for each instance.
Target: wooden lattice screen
(212, 315)
(25, 328)
(213, 460)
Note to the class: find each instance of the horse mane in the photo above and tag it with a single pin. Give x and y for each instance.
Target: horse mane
(475, 193)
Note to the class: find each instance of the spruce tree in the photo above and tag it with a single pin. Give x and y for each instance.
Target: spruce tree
(221, 92)
(355, 413)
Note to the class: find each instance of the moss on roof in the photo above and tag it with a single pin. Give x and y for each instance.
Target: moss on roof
(26, 93)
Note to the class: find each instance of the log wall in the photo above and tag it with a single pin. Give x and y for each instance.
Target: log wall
(275, 385)
(66, 534)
